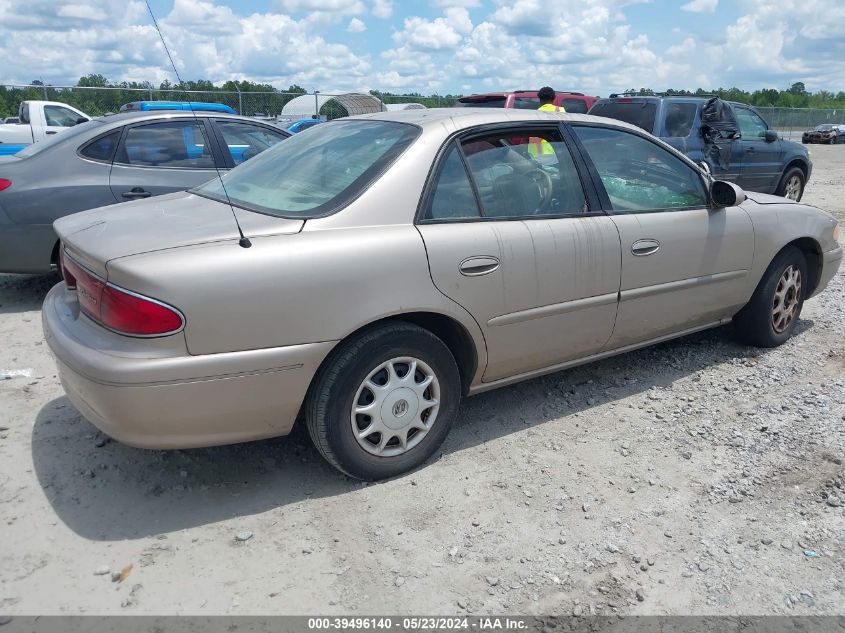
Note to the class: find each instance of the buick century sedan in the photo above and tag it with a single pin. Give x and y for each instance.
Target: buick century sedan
(367, 274)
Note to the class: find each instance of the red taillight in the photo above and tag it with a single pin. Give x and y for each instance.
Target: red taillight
(5, 184)
(116, 308)
(133, 314)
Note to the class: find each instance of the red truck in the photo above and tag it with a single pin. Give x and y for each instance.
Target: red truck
(574, 102)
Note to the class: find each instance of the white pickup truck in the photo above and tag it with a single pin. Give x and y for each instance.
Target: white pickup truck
(38, 120)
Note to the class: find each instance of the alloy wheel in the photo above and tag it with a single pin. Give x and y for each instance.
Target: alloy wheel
(787, 298)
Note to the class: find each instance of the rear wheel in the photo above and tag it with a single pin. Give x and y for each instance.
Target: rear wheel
(769, 319)
(384, 401)
(792, 184)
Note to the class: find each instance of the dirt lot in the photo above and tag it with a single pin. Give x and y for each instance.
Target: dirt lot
(697, 477)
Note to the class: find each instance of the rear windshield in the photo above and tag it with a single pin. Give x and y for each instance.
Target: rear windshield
(526, 103)
(641, 113)
(61, 137)
(481, 102)
(575, 106)
(314, 174)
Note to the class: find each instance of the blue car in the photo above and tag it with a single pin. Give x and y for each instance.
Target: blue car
(732, 138)
(302, 124)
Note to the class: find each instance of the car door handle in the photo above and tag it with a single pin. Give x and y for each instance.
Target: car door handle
(749, 150)
(51, 131)
(479, 265)
(641, 248)
(136, 192)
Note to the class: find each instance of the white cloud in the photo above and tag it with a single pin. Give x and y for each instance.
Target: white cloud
(701, 6)
(334, 6)
(382, 8)
(442, 33)
(684, 48)
(356, 26)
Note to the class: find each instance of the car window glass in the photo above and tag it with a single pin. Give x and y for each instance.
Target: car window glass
(639, 113)
(750, 125)
(526, 103)
(101, 148)
(317, 172)
(524, 173)
(575, 106)
(245, 141)
(59, 116)
(679, 119)
(168, 144)
(639, 175)
(481, 101)
(452, 196)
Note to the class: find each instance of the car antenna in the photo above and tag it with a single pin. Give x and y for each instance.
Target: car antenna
(244, 241)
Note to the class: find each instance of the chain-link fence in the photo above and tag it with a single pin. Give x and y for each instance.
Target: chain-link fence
(100, 101)
(792, 122)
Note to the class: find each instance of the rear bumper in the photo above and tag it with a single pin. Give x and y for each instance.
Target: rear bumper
(176, 401)
(830, 264)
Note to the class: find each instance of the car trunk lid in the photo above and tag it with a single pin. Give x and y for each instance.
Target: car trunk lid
(98, 236)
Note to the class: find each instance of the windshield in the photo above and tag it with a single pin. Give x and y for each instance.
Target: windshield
(61, 137)
(315, 172)
(639, 113)
(823, 128)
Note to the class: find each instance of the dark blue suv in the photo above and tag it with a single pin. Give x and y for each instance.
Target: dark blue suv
(732, 138)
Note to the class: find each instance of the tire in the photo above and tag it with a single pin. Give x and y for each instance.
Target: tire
(793, 177)
(758, 323)
(340, 385)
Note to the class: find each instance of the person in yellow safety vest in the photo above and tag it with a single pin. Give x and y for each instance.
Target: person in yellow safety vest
(537, 146)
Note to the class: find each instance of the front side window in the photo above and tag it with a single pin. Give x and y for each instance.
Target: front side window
(60, 117)
(315, 173)
(167, 144)
(639, 175)
(750, 125)
(524, 173)
(245, 141)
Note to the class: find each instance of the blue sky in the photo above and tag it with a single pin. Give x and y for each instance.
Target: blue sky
(445, 46)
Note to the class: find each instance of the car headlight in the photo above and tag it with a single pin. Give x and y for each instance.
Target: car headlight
(836, 232)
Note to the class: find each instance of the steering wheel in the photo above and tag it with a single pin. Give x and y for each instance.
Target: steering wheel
(543, 182)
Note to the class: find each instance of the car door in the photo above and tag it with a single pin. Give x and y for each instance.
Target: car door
(762, 159)
(59, 118)
(684, 264)
(511, 237)
(163, 156)
(241, 141)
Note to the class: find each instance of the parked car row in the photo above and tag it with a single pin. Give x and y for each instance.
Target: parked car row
(135, 154)
(368, 273)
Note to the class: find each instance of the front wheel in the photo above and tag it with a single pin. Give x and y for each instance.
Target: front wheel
(384, 401)
(769, 319)
(792, 184)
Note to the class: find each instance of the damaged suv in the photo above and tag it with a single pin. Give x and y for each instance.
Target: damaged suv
(733, 139)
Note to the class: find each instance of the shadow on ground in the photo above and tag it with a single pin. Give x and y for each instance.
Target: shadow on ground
(115, 492)
(23, 293)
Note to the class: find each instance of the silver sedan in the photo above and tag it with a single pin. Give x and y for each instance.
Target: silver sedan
(366, 274)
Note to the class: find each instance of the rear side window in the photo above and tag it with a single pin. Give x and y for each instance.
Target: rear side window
(167, 144)
(575, 106)
(452, 197)
(481, 102)
(679, 119)
(317, 173)
(101, 149)
(640, 176)
(639, 113)
(245, 141)
(526, 103)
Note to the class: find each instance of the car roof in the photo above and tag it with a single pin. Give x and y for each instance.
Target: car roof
(137, 115)
(522, 92)
(463, 118)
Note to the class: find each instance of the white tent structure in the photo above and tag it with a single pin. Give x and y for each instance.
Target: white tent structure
(391, 107)
(353, 102)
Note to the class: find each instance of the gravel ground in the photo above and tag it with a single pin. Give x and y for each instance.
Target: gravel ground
(695, 477)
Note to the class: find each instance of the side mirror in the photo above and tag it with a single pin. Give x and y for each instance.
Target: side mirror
(726, 194)
(770, 136)
(81, 119)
